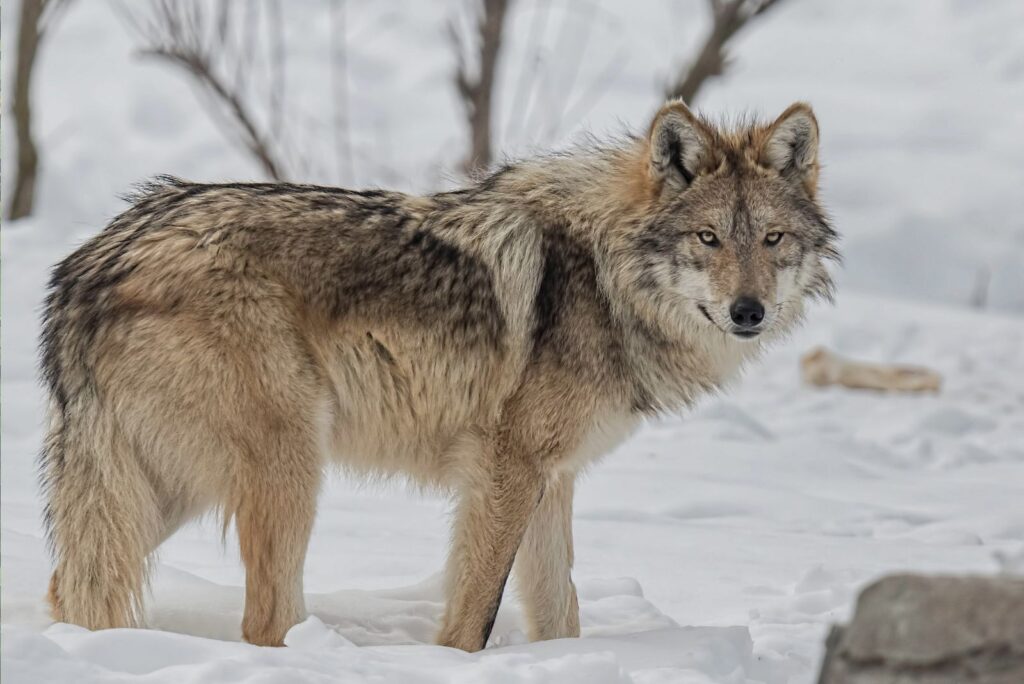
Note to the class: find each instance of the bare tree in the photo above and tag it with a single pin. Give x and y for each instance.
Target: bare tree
(219, 50)
(557, 83)
(477, 91)
(727, 18)
(982, 283)
(37, 18)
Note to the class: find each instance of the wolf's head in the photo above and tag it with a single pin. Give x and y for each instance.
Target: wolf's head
(736, 239)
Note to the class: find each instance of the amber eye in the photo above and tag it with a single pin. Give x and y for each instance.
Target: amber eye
(772, 239)
(708, 238)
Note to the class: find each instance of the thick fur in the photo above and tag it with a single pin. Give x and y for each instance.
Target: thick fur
(216, 346)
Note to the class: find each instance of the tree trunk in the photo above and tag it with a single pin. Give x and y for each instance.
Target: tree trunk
(23, 195)
(727, 18)
(478, 94)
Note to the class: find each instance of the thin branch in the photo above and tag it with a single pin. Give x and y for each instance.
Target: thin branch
(727, 18)
(200, 68)
(477, 92)
(205, 45)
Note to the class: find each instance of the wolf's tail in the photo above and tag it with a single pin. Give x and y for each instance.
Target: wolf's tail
(101, 511)
(102, 520)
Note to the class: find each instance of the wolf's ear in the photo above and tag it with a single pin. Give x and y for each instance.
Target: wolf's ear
(791, 146)
(679, 145)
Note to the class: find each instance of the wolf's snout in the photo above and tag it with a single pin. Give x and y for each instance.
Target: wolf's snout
(747, 312)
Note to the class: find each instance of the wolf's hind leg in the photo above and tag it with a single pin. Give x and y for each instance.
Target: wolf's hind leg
(492, 516)
(543, 565)
(274, 511)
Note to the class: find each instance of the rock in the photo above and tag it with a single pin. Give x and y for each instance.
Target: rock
(913, 629)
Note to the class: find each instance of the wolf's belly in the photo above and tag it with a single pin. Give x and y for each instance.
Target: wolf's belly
(398, 409)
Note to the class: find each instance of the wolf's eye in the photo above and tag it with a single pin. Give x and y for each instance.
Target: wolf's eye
(772, 239)
(708, 238)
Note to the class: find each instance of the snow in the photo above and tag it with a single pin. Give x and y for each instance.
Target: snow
(716, 546)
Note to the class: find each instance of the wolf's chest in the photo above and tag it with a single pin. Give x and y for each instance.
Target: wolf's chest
(605, 433)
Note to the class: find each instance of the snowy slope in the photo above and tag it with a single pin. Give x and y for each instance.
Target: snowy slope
(712, 547)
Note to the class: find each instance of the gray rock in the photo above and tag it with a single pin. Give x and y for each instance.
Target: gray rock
(912, 629)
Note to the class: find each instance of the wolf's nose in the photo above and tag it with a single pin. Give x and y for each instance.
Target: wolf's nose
(747, 312)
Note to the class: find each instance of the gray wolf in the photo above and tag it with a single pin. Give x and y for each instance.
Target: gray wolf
(218, 345)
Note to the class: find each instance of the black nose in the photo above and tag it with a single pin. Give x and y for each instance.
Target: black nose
(747, 312)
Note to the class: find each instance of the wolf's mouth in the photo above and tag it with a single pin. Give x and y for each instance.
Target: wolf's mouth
(707, 315)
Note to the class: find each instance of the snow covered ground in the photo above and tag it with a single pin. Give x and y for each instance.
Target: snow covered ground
(712, 547)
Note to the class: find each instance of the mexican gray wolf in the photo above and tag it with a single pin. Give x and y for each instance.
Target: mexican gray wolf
(217, 346)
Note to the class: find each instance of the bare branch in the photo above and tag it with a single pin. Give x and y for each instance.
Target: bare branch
(203, 45)
(727, 18)
(477, 92)
(199, 67)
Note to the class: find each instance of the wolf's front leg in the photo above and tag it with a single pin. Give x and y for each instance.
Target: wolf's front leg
(493, 513)
(543, 566)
